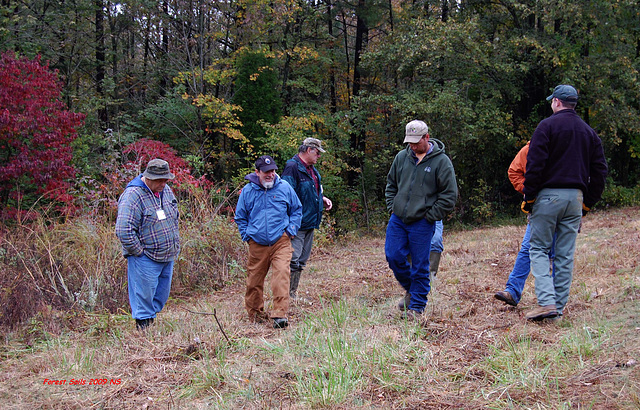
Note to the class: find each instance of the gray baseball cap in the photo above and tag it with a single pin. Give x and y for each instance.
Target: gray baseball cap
(415, 130)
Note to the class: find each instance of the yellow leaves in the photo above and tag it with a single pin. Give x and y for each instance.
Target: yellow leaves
(215, 107)
(306, 53)
(218, 76)
(290, 131)
(219, 72)
(234, 134)
(183, 77)
(254, 76)
(300, 53)
(221, 116)
(250, 50)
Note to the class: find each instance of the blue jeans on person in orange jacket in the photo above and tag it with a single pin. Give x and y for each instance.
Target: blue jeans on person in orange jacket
(522, 267)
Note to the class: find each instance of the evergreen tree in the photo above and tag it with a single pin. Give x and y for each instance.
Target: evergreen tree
(257, 94)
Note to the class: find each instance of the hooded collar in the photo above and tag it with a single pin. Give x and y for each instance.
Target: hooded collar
(253, 178)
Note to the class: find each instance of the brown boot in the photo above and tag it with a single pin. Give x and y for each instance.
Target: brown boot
(505, 296)
(542, 312)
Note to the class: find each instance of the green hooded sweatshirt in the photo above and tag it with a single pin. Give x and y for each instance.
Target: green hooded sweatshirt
(427, 189)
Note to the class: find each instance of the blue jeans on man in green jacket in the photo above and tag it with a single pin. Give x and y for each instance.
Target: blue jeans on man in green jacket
(412, 239)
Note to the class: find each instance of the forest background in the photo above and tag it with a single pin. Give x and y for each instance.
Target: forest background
(90, 90)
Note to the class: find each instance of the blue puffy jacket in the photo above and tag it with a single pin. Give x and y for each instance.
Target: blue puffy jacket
(297, 176)
(264, 215)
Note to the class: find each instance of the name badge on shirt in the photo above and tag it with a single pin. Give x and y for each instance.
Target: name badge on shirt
(161, 215)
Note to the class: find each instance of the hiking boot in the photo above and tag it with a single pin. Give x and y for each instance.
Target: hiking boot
(542, 312)
(434, 263)
(293, 283)
(505, 297)
(142, 324)
(404, 302)
(280, 322)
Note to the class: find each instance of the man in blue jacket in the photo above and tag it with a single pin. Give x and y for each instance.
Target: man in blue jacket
(268, 215)
(565, 177)
(303, 176)
(147, 227)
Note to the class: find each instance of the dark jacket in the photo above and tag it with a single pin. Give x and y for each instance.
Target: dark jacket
(138, 226)
(296, 174)
(424, 190)
(565, 152)
(264, 215)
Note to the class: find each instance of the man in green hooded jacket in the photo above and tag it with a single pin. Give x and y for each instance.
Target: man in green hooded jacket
(421, 189)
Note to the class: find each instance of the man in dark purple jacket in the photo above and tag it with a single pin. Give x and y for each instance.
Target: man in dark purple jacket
(565, 177)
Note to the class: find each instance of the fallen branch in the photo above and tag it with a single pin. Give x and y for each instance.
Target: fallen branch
(210, 314)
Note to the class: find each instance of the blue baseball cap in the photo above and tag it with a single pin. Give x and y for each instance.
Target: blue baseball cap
(265, 163)
(565, 93)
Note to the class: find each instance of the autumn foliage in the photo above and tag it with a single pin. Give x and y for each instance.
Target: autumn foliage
(36, 131)
(142, 151)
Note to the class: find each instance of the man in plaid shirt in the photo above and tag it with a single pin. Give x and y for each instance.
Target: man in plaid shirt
(147, 227)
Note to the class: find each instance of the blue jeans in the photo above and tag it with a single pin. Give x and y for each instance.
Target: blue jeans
(522, 267)
(412, 239)
(560, 211)
(436, 240)
(149, 285)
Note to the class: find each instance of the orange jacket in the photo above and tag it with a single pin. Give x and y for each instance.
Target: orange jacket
(517, 169)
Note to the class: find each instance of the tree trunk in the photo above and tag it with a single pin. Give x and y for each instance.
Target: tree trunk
(358, 137)
(333, 100)
(361, 38)
(100, 60)
(164, 83)
(445, 11)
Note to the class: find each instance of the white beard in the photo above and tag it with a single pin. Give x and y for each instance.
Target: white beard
(268, 185)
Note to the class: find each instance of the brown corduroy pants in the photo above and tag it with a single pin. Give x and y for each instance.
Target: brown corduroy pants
(278, 257)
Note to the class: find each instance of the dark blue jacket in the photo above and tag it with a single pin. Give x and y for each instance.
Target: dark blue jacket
(297, 176)
(565, 152)
(264, 215)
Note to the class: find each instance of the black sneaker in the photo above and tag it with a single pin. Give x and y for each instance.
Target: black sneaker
(142, 324)
(280, 322)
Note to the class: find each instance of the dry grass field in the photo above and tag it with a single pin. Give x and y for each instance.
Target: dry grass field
(347, 346)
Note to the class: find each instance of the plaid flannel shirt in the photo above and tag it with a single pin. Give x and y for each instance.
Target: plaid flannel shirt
(139, 229)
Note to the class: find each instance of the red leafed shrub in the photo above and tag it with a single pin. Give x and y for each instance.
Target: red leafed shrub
(36, 131)
(101, 195)
(142, 151)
